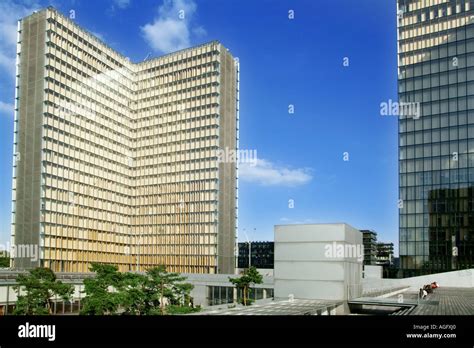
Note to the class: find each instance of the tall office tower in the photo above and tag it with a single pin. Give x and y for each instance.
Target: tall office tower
(436, 134)
(117, 162)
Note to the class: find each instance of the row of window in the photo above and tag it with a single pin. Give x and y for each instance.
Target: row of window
(62, 245)
(136, 235)
(444, 177)
(415, 110)
(186, 117)
(88, 184)
(174, 263)
(173, 84)
(436, 33)
(452, 148)
(435, 235)
(438, 86)
(436, 136)
(438, 163)
(201, 222)
(436, 121)
(425, 192)
(59, 145)
(416, 11)
(419, 50)
(427, 211)
(178, 61)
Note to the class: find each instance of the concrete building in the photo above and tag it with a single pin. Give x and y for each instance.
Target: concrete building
(384, 256)
(369, 239)
(261, 254)
(208, 290)
(318, 261)
(436, 134)
(116, 161)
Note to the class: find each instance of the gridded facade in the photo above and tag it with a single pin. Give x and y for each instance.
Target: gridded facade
(369, 239)
(384, 255)
(262, 255)
(436, 145)
(116, 162)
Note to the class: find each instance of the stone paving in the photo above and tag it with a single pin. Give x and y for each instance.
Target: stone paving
(295, 307)
(444, 301)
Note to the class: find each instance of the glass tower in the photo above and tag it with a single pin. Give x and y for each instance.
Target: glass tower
(436, 134)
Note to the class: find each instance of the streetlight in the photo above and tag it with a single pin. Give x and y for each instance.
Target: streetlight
(254, 233)
(250, 247)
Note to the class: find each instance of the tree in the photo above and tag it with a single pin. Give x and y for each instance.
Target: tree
(112, 292)
(134, 294)
(169, 286)
(102, 291)
(250, 276)
(4, 262)
(36, 289)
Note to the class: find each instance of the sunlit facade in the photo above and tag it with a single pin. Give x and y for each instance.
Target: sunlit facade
(116, 162)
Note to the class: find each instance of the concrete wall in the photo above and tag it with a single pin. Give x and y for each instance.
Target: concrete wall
(227, 171)
(308, 265)
(29, 119)
(373, 272)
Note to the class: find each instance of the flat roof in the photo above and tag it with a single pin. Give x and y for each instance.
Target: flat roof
(284, 307)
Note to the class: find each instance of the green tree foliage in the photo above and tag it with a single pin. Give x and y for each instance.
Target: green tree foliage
(4, 262)
(134, 294)
(167, 286)
(36, 289)
(112, 292)
(250, 276)
(102, 291)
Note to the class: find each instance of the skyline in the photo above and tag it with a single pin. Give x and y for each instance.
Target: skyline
(310, 171)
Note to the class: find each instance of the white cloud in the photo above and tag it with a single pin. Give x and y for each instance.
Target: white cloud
(6, 109)
(171, 30)
(268, 174)
(199, 31)
(122, 4)
(10, 13)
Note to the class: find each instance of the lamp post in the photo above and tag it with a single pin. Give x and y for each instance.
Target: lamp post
(250, 253)
(250, 247)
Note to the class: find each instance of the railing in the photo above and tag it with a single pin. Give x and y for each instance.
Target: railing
(356, 290)
(375, 292)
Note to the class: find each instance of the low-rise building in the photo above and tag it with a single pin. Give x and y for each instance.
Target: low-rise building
(261, 254)
(384, 255)
(369, 239)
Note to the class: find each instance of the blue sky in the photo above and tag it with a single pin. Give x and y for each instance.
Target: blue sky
(283, 61)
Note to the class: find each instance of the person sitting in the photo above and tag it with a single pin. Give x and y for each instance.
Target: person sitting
(428, 288)
(422, 293)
